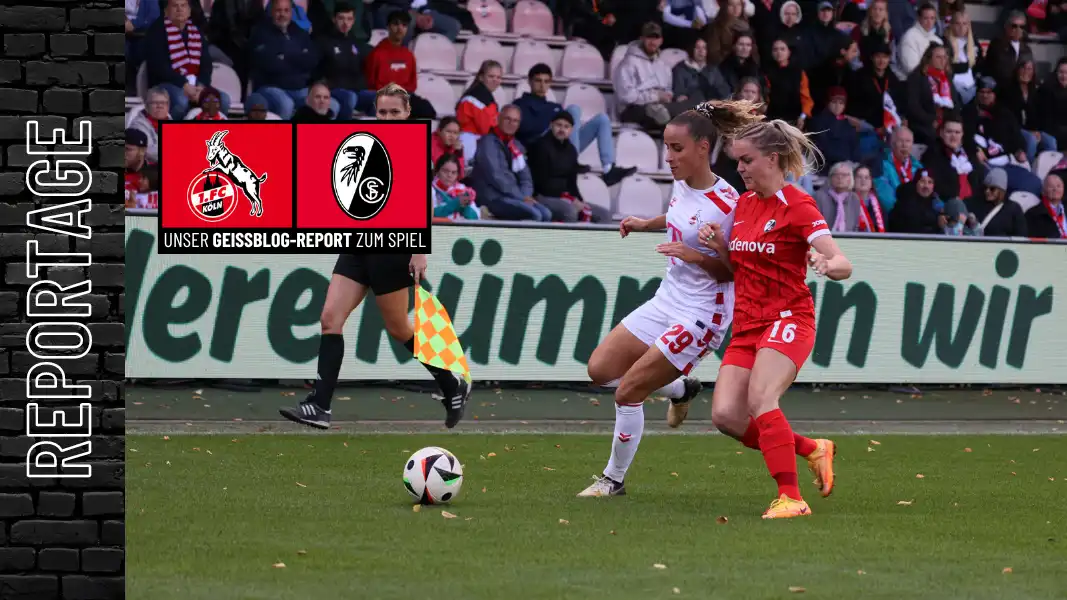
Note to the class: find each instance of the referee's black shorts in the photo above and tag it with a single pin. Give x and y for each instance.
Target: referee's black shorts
(382, 273)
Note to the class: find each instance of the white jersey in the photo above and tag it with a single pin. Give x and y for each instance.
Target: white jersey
(686, 284)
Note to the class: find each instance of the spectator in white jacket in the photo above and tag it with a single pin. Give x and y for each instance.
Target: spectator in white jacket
(918, 38)
(643, 83)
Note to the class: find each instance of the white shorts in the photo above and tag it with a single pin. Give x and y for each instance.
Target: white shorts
(683, 337)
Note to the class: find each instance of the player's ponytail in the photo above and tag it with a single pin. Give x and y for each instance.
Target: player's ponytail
(709, 120)
(797, 153)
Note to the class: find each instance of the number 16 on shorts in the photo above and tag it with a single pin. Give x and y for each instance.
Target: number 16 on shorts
(790, 336)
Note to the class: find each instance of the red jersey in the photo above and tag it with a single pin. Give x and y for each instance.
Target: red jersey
(768, 248)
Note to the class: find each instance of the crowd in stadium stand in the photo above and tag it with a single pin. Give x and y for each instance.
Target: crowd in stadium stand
(930, 120)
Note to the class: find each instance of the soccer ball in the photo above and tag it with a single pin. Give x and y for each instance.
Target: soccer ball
(433, 476)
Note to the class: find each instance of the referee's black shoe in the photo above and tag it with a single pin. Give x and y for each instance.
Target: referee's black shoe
(457, 403)
(308, 413)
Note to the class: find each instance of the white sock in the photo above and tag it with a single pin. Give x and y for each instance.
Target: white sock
(629, 425)
(614, 383)
(674, 389)
(606, 167)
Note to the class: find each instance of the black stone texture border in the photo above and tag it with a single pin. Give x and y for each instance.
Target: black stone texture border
(63, 61)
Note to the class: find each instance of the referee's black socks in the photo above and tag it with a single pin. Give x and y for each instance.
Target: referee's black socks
(444, 378)
(331, 352)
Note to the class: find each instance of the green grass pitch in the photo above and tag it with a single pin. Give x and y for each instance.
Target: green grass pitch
(208, 517)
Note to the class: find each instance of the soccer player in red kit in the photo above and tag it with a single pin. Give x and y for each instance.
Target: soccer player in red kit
(778, 231)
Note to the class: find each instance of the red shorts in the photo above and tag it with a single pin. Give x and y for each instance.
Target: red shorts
(793, 337)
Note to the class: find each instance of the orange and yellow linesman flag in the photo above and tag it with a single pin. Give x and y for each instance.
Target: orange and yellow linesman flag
(436, 342)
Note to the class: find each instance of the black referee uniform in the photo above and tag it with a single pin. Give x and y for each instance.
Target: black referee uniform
(382, 273)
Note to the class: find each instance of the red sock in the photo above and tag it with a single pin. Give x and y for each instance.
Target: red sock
(805, 446)
(751, 437)
(779, 451)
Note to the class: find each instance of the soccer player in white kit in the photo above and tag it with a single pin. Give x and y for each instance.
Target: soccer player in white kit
(656, 346)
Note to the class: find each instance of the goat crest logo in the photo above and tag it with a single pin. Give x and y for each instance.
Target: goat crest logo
(362, 175)
(213, 194)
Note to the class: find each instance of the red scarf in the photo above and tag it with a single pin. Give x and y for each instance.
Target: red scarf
(1058, 219)
(866, 224)
(904, 170)
(203, 116)
(454, 190)
(184, 55)
(518, 161)
(941, 89)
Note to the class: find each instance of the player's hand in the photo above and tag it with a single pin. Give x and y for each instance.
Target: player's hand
(711, 237)
(819, 263)
(632, 224)
(680, 251)
(417, 267)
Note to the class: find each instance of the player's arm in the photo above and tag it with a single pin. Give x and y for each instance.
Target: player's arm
(656, 223)
(718, 267)
(827, 259)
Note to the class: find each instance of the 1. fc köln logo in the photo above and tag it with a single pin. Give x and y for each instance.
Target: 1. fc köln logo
(362, 176)
(213, 195)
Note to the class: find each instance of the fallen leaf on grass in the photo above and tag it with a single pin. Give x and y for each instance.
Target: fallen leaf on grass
(288, 393)
(447, 515)
(899, 401)
(483, 490)
(564, 522)
(1013, 472)
(722, 520)
(967, 450)
(861, 572)
(674, 474)
(1036, 449)
(796, 589)
(987, 392)
(301, 485)
(557, 445)
(134, 450)
(346, 444)
(1052, 479)
(166, 438)
(905, 503)
(278, 565)
(198, 397)
(875, 443)
(612, 532)
(344, 398)
(138, 403)
(491, 454)
(676, 590)
(660, 566)
(594, 402)
(416, 508)
(208, 451)
(870, 449)
(468, 518)
(195, 449)
(548, 468)
(238, 419)
(920, 476)
(1006, 570)
(301, 552)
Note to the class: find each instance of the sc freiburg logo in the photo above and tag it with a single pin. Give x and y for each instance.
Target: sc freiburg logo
(362, 176)
(213, 194)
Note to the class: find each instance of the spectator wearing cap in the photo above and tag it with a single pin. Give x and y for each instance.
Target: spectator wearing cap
(425, 19)
(136, 146)
(537, 115)
(210, 107)
(176, 55)
(683, 22)
(898, 167)
(283, 59)
(824, 35)
(554, 166)
(1046, 219)
(998, 138)
(919, 209)
(870, 92)
(953, 162)
(501, 175)
(963, 54)
(642, 83)
(837, 202)
(343, 55)
(256, 109)
(1008, 49)
(156, 109)
(696, 79)
(835, 135)
(994, 214)
(316, 108)
(392, 62)
(930, 95)
(915, 41)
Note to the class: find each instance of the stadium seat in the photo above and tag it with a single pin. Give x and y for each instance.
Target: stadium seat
(142, 80)
(1045, 161)
(1024, 199)
(663, 166)
(530, 52)
(594, 191)
(665, 189)
(917, 151)
(524, 86)
(489, 16)
(586, 97)
(504, 95)
(616, 58)
(639, 196)
(531, 17)
(673, 56)
(634, 148)
(435, 52)
(480, 49)
(591, 156)
(225, 79)
(438, 92)
(377, 35)
(582, 61)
